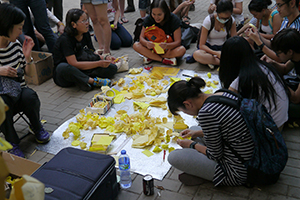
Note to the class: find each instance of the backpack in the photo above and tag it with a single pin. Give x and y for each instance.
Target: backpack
(270, 153)
(156, 34)
(212, 25)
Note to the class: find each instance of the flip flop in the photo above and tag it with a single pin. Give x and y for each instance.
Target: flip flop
(124, 20)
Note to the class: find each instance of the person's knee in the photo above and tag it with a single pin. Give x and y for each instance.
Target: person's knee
(173, 157)
(137, 46)
(115, 44)
(181, 51)
(63, 68)
(31, 97)
(113, 69)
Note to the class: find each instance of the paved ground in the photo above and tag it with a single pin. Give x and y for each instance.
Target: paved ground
(59, 104)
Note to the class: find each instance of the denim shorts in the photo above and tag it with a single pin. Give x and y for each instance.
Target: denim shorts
(95, 2)
(143, 4)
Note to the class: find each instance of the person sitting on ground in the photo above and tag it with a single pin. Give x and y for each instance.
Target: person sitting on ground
(242, 72)
(161, 17)
(216, 29)
(237, 11)
(288, 10)
(74, 60)
(207, 157)
(268, 20)
(120, 37)
(286, 44)
(14, 59)
(182, 10)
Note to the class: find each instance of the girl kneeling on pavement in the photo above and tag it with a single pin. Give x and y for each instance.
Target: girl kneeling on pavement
(14, 60)
(212, 38)
(206, 156)
(161, 16)
(75, 62)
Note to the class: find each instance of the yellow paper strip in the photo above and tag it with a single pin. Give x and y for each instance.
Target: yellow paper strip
(158, 49)
(105, 140)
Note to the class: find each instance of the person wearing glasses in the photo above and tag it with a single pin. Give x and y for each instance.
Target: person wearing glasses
(212, 39)
(287, 9)
(75, 62)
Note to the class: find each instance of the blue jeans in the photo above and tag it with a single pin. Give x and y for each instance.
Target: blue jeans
(120, 38)
(38, 9)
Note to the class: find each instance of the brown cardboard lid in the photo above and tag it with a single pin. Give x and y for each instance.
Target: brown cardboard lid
(19, 166)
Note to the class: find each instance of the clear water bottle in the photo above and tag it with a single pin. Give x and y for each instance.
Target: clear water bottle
(124, 166)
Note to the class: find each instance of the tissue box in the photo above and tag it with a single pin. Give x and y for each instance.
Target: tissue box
(103, 110)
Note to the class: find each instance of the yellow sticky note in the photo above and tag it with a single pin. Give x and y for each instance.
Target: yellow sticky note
(158, 49)
(174, 79)
(147, 153)
(119, 98)
(105, 140)
(141, 105)
(213, 85)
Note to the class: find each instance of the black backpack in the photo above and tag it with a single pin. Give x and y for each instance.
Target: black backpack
(212, 19)
(138, 29)
(270, 153)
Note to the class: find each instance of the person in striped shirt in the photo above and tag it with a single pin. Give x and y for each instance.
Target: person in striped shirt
(14, 59)
(205, 155)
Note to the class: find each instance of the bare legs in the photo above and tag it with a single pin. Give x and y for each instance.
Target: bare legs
(174, 53)
(98, 15)
(205, 58)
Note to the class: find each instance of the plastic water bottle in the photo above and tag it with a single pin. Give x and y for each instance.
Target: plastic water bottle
(124, 166)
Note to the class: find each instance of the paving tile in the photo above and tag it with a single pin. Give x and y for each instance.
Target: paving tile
(257, 194)
(292, 171)
(168, 195)
(224, 196)
(169, 184)
(188, 190)
(37, 156)
(64, 113)
(280, 197)
(277, 188)
(203, 194)
(126, 195)
(175, 173)
(294, 192)
(137, 185)
(289, 180)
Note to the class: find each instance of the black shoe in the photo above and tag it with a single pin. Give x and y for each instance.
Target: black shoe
(85, 87)
(129, 9)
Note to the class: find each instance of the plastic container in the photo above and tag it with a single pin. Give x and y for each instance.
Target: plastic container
(124, 166)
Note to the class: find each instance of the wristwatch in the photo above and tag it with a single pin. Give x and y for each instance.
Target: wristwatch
(261, 46)
(192, 145)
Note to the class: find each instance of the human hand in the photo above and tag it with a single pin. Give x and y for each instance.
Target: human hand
(253, 34)
(163, 45)
(188, 133)
(8, 71)
(104, 63)
(115, 25)
(218, 54)
(27, 47)
(212, 8)
(150, 45)
(61, 28)
(184, 143)
(267, 59)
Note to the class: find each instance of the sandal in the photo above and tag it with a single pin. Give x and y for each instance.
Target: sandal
(99, 51)
(124, 20)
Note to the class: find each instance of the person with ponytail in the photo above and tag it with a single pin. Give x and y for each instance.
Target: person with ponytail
(204, 155)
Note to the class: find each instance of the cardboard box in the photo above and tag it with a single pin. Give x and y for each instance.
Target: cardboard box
(19, 166)
(41, 70)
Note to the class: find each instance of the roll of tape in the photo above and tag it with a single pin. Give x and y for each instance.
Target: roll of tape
(110, 93)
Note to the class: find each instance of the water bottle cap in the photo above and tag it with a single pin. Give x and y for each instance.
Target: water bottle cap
(123, 152)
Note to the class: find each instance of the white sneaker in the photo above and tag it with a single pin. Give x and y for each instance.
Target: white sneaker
(169, 61)
(147, 60)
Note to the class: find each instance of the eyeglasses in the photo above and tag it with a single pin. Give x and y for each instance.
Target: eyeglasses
(279, 5)
(83, 21)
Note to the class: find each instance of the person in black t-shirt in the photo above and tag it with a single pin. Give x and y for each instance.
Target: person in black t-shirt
(286, 45)
(73, 65)
(161, 16)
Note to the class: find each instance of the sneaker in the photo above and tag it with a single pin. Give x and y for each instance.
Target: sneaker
(16, 150)
(211, 66)
(147, 60)
(98, 82)
(169, 61)
(41, 136)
